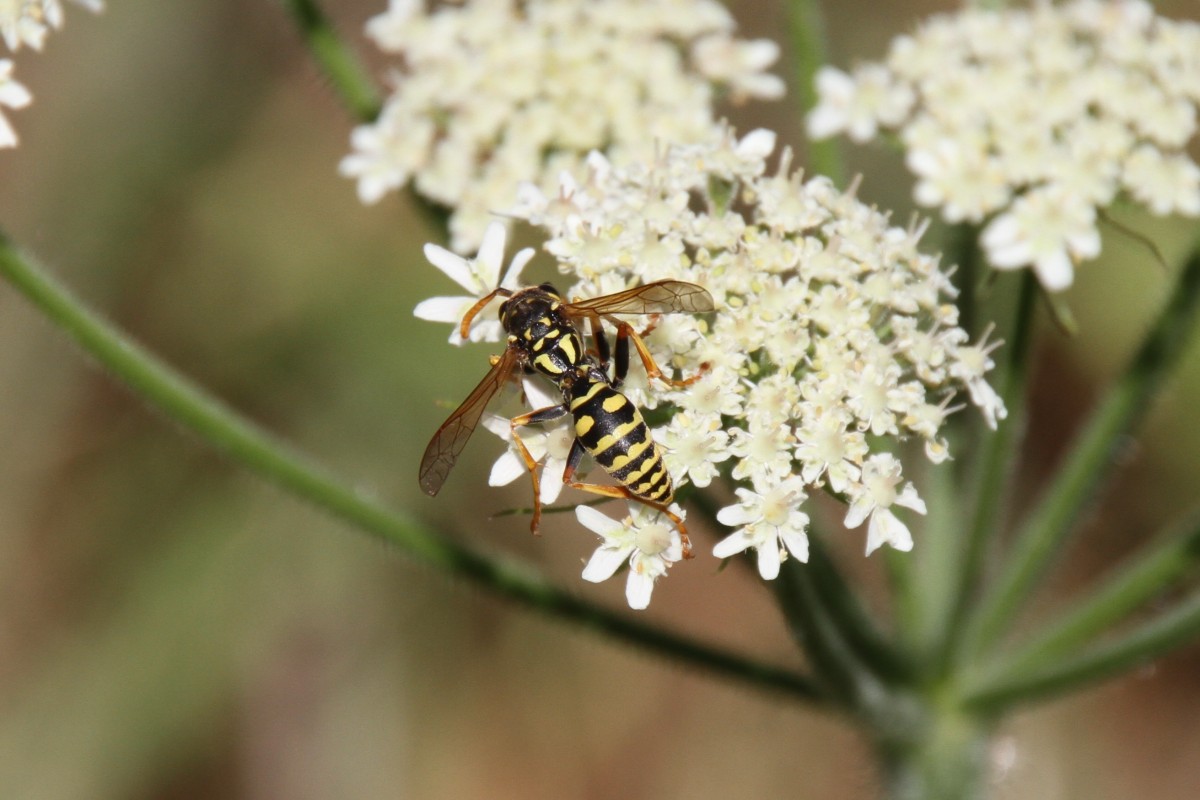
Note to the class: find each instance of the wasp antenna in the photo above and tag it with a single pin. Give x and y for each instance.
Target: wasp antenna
(465, 326)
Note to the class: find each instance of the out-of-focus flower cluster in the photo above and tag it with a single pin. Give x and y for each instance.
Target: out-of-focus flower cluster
(1035, 118)
(26, 23)
(834, 338)
(494, 92)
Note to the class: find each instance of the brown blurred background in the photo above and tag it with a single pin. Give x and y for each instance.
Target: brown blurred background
(170, 627)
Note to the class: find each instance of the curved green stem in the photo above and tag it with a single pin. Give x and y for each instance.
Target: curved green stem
(262, 453)
(1141, 646)
(337, 61)
(806, 24)
(1173, 556)
(1088, 461)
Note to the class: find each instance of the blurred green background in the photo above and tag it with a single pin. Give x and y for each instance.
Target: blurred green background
(170, 627)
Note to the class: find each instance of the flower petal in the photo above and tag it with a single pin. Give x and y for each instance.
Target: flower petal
(442, 309)
(506, 469)
(638, 589)
(604, 562)
(732, 544)
(596, 522)
(768, 560)
(455, 266)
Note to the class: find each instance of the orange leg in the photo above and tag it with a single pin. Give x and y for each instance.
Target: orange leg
(532, 418)
(625, 331)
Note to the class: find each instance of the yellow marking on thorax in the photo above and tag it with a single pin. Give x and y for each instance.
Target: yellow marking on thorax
(567, 345)
(546, 364)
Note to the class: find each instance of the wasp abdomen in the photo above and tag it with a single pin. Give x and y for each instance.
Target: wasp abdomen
(611, 428)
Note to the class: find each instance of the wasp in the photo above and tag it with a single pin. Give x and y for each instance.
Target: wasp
(544, 337)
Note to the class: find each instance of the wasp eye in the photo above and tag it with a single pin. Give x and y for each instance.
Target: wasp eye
(503, 309)
(549, 289)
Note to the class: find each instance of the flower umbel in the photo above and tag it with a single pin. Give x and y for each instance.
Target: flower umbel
(834, 334)
(495, 92)
(1032, 119)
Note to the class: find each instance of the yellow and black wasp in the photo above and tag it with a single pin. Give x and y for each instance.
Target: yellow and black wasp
(544, 337)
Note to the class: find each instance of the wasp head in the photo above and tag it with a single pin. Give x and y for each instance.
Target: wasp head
(530, 309)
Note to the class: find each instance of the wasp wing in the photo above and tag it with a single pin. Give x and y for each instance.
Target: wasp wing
(452, 437)
(660, 297)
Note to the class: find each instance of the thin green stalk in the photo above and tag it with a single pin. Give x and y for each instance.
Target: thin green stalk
(1088, 462)
(806, 25)
(936, 561)
(338, 62)
(1166, 561)
(907, 610)
(1138, 647)
(262, 453)
(838, 670)
(851, 620)
(994, 467)
(967, 258)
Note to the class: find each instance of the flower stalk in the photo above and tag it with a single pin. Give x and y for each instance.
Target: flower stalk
(336, 59)
(1164, 563)
(1088, 463)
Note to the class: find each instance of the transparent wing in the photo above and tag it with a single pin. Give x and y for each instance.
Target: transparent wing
(660, 297)
(452, 437)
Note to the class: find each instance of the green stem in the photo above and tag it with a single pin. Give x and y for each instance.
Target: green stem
(1088, 462)
(838, 669)
(851, 620)
(263, 454)
(1168, 560)
(994, 467)
(943, 757)
(935, 561)
(1141, 646)
(338, 62)
(806, 24)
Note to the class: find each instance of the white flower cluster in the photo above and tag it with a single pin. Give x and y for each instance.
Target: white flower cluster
(26, 22)
(494, 92)
(834, 338)
(1035, 118)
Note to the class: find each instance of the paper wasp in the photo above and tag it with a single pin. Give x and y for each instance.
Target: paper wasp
(544, 337)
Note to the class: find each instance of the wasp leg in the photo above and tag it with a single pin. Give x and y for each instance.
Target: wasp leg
(599, 340)
(625, 334)
(533, 418)
(622, 492)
